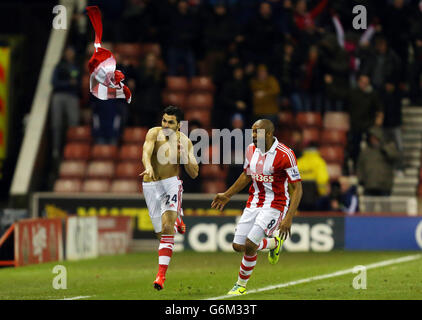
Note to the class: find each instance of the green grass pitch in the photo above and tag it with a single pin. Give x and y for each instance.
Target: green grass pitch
(197, 276)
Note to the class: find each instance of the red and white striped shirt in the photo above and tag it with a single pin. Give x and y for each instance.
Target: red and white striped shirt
(270, 172)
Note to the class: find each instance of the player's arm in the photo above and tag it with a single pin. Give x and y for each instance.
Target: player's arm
(148, 149)
(191, 165)
(221, 199)
(295, 192)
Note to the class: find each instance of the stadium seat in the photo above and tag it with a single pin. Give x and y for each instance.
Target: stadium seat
(135, 135)
(100, 169)
(336, 120)
(67, 185)
(198, 100)
(77, 151)
(96, 186)
(147, 48)
(203, 116)
(103, 152)
(285, 118)
(130, 152)
(283, 135)
(128, 169)
(334, 137)
(202, 84)
(125, 186)
(213, 186)
(79, 134)
(332, 154)
(177, 99)
(128, 50)
(213, 171)
(72, 169)
(309, 119)
(311, 135)
(334, 171)
(177, 84)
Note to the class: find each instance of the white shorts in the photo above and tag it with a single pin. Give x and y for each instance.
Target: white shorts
(161, 196)
(256, 223)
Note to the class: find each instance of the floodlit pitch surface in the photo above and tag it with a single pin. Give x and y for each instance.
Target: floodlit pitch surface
(210, 275)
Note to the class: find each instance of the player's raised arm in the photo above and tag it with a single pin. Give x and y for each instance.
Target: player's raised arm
(191, 165)
(221, 199)
(148, 149)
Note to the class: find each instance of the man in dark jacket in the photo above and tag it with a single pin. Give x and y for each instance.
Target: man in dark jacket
(376, 164)
(65, 98)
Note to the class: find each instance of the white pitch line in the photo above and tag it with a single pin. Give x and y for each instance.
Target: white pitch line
(326, 276)
(76, 298)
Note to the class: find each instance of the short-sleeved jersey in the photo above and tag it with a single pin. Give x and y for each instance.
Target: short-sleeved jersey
(270, 172)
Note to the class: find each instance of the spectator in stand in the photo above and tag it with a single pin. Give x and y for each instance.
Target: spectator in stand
(65, 99)
(219, 32)
(342, 198)
(106, 121)
(260, 36)
(313, 167)
(335, 66)
(305, 19)
(138, 22)
(147, 98)
(235, 97)
(376, 163)
(286, 66)
(265, 91)
(181, 37)
(415, 77)
(310, 86)
(365, 110)
(382, 65)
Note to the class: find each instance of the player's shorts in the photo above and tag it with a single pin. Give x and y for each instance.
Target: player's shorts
(161, 196)
(255, 223)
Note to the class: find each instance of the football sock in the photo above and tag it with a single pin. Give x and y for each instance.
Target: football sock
(165, 251)
(246, 268)
(268, 243)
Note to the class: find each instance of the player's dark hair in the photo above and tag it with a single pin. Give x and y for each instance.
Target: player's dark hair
(174, 111)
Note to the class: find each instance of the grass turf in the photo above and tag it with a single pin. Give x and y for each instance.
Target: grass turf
(198, 276)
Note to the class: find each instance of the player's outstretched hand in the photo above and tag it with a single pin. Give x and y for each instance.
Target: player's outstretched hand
(284, 229)
(220, 201)
(149, 172)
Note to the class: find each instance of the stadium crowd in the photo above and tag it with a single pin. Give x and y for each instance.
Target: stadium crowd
(291, 61)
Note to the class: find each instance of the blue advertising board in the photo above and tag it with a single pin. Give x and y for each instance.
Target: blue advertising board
(383, 233)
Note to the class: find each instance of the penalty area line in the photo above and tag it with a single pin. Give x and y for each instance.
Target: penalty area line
(75, 298)
(326, 276)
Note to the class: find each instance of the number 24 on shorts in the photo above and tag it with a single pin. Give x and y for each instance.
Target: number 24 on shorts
(174, 198)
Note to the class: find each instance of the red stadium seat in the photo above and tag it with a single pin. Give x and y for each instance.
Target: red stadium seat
(104, 152)
(285, 118)
(332, 154)
(177, 99)
(72, 169)
(129, 169)
(125, 186)
(334, 171)
(334, 137)
(130, 152)
(309, 119)
(311, 135)
(177, 84)
(67, 185)
(213, 186)
(79, 134)
(77, 151)
(135, 135)
(128, 50)
(203, 116)
(199, 101)
(202, 84)
(100, 169)
(336, 120)
(96, 186)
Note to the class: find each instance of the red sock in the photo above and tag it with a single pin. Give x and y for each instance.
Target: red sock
(165, 251)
